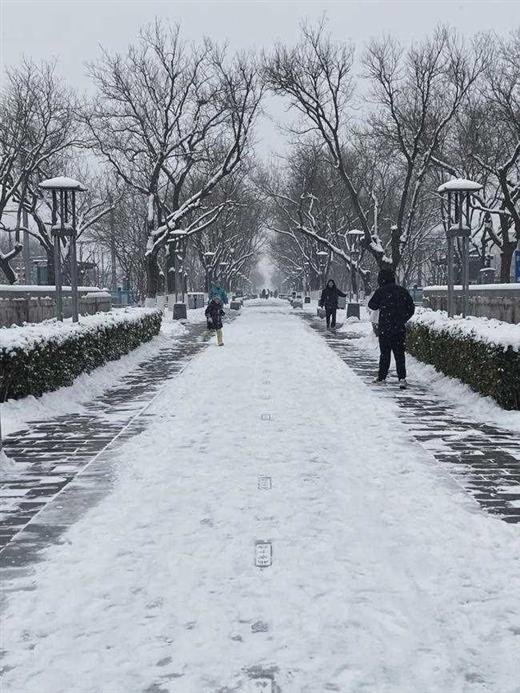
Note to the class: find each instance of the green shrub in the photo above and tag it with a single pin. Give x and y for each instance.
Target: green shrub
(40, 358)
(490, 369)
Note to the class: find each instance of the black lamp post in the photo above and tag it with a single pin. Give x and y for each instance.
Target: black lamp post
(208, 257)
(456, 196)
(64, 226)
(223, 267)
(355, 236)
(322, 261)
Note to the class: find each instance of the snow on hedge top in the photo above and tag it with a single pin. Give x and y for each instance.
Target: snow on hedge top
(28, 336)
(493, 332)
(477, 288)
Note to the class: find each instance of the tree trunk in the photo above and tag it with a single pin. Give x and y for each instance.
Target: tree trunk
(7, 270)
(506, 257)
(152, 275)
(366, 282)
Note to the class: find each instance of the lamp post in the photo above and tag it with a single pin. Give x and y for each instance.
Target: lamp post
(355, 236)
(208, 257)
(177, 255)
(455, 195)
(63, 225)
(223, 266)
(322, 255)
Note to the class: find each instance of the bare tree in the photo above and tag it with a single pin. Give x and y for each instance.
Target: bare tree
(310, 206)
(416, 94)
(36, 126)
(167, 114)
(485, 146)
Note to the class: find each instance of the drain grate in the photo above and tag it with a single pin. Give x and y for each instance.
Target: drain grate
(263, 554)
(264, 483)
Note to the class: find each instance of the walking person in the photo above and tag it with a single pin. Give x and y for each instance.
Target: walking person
(329, 301)
(214, 315)
(396, 307)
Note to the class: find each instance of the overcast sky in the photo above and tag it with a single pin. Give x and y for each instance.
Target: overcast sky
(72, 30)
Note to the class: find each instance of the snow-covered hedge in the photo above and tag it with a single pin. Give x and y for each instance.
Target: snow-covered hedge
(41, 357)
(484, 354)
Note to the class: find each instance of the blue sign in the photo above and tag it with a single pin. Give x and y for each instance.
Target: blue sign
(517, 265)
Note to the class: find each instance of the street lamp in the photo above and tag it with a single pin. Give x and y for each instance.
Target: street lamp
(223, 266)
(208, 256)
(177, 254)
(322, 255)
(63, 225)
(355, 236)
(455, 195)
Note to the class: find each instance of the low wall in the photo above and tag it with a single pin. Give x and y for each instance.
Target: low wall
(499, 301)
(19, 307)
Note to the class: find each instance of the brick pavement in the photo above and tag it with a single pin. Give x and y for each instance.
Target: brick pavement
(484, 459)
(70, 455)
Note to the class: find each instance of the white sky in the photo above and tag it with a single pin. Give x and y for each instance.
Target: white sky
(73, 30)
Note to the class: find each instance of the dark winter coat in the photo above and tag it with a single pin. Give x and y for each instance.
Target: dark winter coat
(329, 296)
(214, 315)
(394, 303)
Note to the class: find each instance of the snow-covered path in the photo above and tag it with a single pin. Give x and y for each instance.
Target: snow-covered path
(385, 577)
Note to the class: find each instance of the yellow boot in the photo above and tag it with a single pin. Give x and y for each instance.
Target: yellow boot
(220, 338)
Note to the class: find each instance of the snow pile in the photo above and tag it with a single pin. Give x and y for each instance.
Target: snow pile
(493, 332)
(39, 289)
(476, 288)
(6, 463)
(29, 336)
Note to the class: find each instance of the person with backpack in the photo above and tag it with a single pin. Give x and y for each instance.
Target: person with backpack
(396, 307)
(329, 301)
(217, 290)
(214, 315)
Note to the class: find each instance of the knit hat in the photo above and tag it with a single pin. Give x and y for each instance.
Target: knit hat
(386, 276)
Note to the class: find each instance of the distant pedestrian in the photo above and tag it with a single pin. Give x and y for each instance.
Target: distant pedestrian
(396, 307)
(214, 315)
(329, 301)
(217, 290)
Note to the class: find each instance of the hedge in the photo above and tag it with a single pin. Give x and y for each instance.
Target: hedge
(492, 369)
(40, 358)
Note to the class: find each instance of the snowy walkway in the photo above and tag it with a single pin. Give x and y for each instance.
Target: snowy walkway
(483, 457)
(49, 453)
(381, 575)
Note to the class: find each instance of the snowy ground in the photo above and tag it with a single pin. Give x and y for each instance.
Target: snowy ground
(385, 577)
(17, 413)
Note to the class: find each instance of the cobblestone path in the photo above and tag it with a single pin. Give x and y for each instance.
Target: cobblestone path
(484, 459)
(70, 455)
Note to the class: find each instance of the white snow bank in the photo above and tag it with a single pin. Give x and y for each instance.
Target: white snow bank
(493, 332)
(28, 336)
(466, 403)
(6, 464)
(16, 413)
(42, 289)
(477, 288)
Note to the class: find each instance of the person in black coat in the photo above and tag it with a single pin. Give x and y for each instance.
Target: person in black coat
(214, 315)
(329, 301)
(396, 307)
